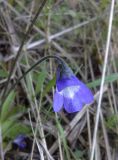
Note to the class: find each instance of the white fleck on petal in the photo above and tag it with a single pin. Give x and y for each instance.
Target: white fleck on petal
(69, 92)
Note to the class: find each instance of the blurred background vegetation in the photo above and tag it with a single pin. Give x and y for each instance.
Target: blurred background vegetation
(75, 30)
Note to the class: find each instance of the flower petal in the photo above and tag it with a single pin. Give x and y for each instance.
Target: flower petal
(72, 104)
(57, 101)
(85, 94)
(66, 82)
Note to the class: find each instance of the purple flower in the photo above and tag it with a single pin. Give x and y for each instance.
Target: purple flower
(70, 92)
(20, 142)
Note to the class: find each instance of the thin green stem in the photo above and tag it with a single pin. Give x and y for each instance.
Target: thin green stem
(24, 74)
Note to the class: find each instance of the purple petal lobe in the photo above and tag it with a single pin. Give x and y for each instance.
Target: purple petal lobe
(85, 94)
(66, 82)
(72, 104)
(57, 102)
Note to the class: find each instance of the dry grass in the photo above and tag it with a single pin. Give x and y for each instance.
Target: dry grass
(83, 34)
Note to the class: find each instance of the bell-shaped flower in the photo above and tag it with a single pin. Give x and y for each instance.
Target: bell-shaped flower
(20, 141)
(71, 93)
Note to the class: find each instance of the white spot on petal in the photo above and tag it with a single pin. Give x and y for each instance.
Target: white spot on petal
(69, 92)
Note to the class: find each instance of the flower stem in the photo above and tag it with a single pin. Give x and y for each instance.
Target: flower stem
(24, 74)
